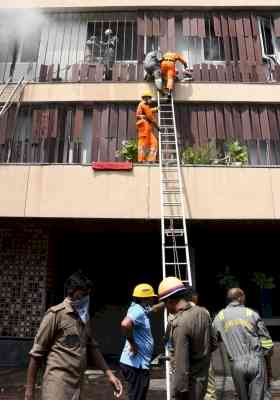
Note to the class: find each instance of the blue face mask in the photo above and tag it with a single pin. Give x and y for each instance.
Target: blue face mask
(82, 308)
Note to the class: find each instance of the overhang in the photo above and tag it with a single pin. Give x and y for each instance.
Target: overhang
(75, 191)
(131, 92)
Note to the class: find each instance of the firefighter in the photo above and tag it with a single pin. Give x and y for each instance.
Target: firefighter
(168, 69)
(62, 342)
(152, 68)
(248, 344)
(138, 350)
(146, 122)
(192, 338)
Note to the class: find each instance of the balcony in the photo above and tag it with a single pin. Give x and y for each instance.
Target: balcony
(78, 192)
(93, 47)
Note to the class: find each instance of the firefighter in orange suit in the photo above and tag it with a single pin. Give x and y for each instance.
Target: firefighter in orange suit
(146, 122)
(168, 69)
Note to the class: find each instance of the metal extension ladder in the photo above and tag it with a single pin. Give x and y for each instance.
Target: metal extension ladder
(11, 93)
(175, 250)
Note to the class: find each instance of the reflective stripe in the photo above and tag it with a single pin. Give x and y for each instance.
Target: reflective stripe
(248, 312)
(266, 343)
(221, 315)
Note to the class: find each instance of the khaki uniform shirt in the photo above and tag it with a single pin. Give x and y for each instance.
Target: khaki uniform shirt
(193, 339)
(62, 341)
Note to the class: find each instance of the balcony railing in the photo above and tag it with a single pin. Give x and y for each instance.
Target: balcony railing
(80, 134)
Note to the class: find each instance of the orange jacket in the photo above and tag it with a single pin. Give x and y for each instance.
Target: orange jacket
(145, 111)
(169, 56)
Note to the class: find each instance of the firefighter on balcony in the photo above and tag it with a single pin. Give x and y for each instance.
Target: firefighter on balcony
(146, 122)
(168, 69)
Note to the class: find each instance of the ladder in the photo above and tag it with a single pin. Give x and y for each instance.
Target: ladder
(175, 250)
(11, 93)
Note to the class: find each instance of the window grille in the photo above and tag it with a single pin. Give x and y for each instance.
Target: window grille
(213, 47)
(110, 41)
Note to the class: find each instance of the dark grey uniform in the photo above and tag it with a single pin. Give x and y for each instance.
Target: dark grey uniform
(152, 67)
(247, 342)
(193, 340)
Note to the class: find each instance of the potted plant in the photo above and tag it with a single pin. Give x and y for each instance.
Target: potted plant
(236, 154)
(128, 150)
(227, 280)
(205, 154)
(265, 284)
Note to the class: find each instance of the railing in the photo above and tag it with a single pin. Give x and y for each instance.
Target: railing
(80, 134)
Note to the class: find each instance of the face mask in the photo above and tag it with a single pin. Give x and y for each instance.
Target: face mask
(147, 308)
(82, 308)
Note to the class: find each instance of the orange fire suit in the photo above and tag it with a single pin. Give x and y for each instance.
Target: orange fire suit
(168, 69)
(147, 142)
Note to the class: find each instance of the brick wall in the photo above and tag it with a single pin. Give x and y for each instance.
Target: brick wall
(23, 270)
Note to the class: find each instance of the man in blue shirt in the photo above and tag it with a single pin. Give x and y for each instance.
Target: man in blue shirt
(138, 350)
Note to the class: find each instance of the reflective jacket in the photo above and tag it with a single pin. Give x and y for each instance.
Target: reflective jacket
(242, 331)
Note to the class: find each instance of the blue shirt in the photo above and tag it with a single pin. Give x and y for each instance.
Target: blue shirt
(142, 336)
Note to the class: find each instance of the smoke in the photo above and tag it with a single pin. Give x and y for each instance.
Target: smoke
(22, 23)
(20, 32)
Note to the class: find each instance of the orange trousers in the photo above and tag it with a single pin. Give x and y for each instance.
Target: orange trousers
(168, 71)
(147, 142)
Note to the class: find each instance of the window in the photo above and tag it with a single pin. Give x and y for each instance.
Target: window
(30, 46)
(22, 49)
(267, 36)
(111, 41)
(212, 45)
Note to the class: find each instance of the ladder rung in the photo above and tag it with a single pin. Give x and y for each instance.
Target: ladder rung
(175, 247)
(167, 142)
(179, 263)
(173, 231)
(173, 216)
(170, 180)
(177, 204)
(176, 191)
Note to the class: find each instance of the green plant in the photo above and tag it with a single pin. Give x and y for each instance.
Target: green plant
(206, 154)
(236, 153)
(263, 281)
(128, 150)
(227, 280)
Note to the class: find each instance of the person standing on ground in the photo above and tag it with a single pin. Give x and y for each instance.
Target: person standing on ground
(145, 123)
(137, 354)
(211, 386)
(248, 344)
(62, 342)
(192, 337)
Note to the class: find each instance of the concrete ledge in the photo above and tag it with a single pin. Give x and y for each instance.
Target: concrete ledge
(75, 191)
(86, 5)
(131, 92)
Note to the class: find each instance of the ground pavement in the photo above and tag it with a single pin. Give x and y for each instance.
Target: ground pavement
(12, 387)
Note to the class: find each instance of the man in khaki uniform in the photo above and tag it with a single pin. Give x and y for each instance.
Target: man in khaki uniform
(63, 342)
(193, 340)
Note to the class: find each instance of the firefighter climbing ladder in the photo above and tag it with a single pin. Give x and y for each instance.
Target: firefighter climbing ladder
(11, 93)
(175, 250)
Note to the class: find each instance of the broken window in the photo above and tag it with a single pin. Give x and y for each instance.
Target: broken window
(21, 48)
(30, 46)
(111, 41)
(213, 45)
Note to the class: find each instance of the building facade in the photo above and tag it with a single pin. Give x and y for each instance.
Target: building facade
(83, 64)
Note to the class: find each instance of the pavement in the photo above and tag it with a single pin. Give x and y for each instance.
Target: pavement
(12, 383)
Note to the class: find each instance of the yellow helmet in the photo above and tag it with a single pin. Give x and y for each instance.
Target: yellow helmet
(147, 93)
(143, 291)
(170, 286)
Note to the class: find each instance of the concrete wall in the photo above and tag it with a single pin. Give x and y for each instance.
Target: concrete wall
(90, 5)
(62, 191)
(129, 92)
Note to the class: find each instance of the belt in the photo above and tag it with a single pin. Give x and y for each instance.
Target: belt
(168, 59)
